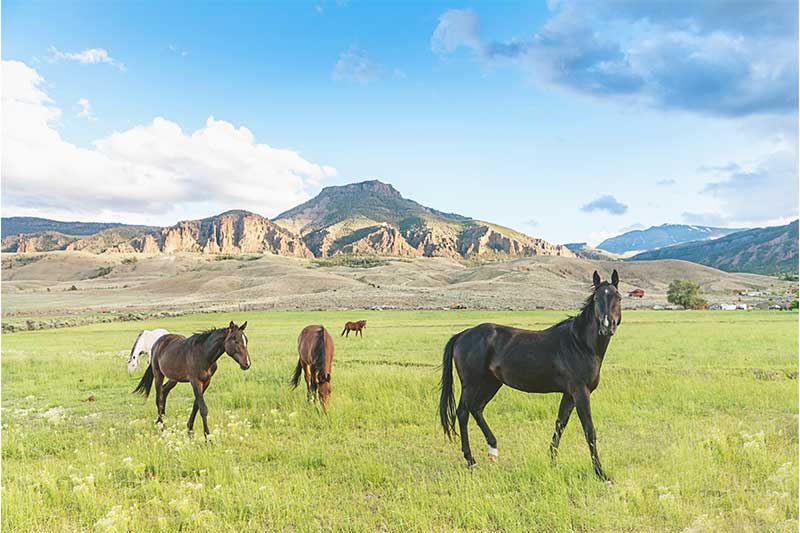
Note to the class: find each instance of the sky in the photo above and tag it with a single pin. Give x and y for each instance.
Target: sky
(569, 120)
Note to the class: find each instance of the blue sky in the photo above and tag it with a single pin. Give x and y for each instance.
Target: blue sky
(569, 120)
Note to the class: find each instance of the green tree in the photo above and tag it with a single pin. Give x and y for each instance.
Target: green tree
(685, 293)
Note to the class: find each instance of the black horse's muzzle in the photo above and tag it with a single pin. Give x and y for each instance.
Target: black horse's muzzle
(607, 327)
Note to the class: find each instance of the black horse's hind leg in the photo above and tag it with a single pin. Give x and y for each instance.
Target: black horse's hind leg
(585, 414)
(564, 411)
(462, 412)
(477, 403)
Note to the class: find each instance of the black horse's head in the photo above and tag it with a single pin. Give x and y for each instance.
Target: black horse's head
(607, 304)
(236, 345)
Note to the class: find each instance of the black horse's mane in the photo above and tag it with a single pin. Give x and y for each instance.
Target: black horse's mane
(586, 309)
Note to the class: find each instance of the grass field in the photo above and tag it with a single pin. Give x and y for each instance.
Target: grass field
(696, 416)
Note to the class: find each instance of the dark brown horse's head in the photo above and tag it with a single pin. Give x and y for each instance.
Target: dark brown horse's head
(362, 323)
(236, 345)
(607, 304)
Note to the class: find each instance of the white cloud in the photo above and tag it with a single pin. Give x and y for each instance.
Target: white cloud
(151, 169)
(179, 51)
(456, 28)
(88, 57)
(355, 65)
(86, 110)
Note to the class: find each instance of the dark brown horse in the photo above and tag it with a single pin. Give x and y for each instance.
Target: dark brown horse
(564, 358)
(354, 326)
(192, 360)
(315, 346)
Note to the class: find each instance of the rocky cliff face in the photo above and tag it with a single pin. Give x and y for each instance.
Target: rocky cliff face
(232, 232)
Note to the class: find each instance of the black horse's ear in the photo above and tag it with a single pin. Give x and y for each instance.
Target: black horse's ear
(615, 278)
(241, 328)
(596, 279)
(231, 325)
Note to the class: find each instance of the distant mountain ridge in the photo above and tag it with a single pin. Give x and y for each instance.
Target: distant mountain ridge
(369, 217)
(771, 250)
(660, 236)
(18, 225)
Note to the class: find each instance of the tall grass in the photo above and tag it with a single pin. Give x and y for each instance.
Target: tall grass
(696, 416)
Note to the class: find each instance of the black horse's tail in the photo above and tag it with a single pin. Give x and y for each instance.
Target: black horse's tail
(447, 402)
(146, 383)
(296, 377)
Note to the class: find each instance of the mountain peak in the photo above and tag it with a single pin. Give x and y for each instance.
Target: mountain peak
(371, 186)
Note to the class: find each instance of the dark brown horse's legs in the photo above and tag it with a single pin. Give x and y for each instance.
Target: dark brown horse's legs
(201, 404)
(564, 411)
(585, 414)
(168, 386)
(158, 380)
(463, 420)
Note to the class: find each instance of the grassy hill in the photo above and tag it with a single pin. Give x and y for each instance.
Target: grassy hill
(770, 250)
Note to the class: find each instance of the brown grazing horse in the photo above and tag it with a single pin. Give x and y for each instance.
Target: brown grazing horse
(354, 326)
(192, 360)
(315, 346)
(564, 358)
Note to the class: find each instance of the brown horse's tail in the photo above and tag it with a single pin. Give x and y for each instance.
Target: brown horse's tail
(447, 401)
(146, 383)
(319, 354)
(298, 370)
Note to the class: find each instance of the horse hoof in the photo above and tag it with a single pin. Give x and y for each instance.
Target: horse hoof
(493, 454)
(472, 465)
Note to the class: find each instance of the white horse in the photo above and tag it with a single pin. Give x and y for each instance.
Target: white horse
(144, 343)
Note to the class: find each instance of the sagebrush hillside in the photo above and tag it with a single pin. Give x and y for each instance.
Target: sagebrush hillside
(770, 250)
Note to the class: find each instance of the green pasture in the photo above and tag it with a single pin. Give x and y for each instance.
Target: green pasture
(696, 414)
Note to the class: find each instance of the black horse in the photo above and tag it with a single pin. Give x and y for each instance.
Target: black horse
(564, 358)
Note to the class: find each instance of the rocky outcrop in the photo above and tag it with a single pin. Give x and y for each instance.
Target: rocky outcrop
(481, 239)
(233, 232)
(46, 241)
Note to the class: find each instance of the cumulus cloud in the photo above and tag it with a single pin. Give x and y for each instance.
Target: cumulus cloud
(758, 191)
(87, 57)
(606, 203)
(696, 56)
(456, 28)
(704, 219)
(86, 110)
(355, 65)
(148, 169)
(181, 52)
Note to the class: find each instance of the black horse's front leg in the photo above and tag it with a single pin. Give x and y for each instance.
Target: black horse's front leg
(585, 414)
(564, 412)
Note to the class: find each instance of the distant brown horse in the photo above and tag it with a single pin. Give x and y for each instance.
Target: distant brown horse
(315, 346)
(192, 360)
(354, 326)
